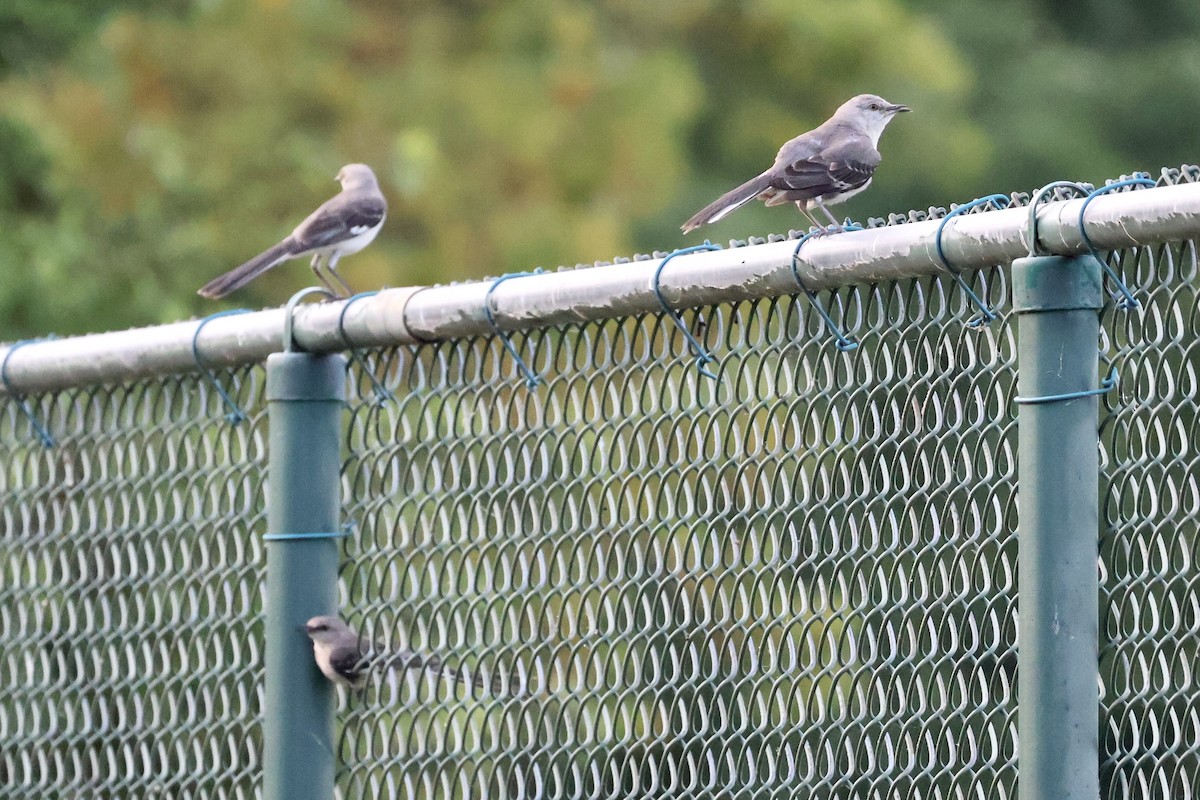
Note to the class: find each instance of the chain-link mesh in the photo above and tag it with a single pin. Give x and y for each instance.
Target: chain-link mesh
(130, 594)
(799, 580)
(1149, 559)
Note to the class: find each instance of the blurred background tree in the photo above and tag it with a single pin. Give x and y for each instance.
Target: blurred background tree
(148, 146)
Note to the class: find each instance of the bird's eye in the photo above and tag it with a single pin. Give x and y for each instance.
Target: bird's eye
(874, 106)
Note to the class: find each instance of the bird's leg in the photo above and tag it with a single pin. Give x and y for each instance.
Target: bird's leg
(331, 268)
(316, 268)
(315, 264)
(800, 204)
(840, 228)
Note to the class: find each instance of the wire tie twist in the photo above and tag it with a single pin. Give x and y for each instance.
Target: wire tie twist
(347, 530)
(382, 395)
(289, 314)
(985, 314)
(703, 357)
(1127, 301)
(235, 415)
(1039, 197)
(841, 340)
(1107, 385)
(43, 434)
(531, 378)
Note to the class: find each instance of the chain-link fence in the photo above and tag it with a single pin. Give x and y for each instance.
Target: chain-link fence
(798, 580)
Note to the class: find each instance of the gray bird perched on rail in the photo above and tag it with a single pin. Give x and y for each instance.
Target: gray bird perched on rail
(346, 659)
(345, 224)
(829, 164)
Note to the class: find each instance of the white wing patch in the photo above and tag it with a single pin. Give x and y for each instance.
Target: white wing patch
(357, 229)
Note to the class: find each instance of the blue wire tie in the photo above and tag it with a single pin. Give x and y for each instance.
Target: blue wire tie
(1039, 197)
(703, 357)
(1106, 386)
(985, 314)
(1127, 301)
(289, 314)
(347, 530)
(292, 537)
(382, 395)
(38, 428)
(235, 415)
(531, 378)
(842, 342)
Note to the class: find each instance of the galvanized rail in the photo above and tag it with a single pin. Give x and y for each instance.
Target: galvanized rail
(424, 314)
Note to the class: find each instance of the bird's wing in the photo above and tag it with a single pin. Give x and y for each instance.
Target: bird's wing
(345, 216)
(350, 662)
(841, 168)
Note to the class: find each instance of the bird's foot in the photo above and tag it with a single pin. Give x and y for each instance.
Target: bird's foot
(837, 227)
(822, 230)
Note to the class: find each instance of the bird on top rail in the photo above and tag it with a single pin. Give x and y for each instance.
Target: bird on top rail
(343, 225)
(829, 164)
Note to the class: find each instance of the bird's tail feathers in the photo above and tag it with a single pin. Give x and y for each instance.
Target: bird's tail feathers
(731, 200)
(498, 686)
(431, 665)
(237, 278)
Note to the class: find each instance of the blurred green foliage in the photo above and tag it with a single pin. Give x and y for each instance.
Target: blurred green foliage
(148, 146)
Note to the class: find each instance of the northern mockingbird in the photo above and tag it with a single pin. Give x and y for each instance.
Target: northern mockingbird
(345, 224)
(347, 659)
(827, 165)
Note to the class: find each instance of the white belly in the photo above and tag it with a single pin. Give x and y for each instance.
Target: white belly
(839, 198)
(355, 243)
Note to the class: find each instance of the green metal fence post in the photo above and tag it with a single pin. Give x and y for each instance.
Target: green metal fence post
(1057, 300)
(306, 395)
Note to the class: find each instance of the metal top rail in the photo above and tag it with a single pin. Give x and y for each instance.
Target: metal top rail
(426, 314)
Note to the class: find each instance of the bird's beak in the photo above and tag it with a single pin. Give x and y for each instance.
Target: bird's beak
(896, 108)
(302, 628)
